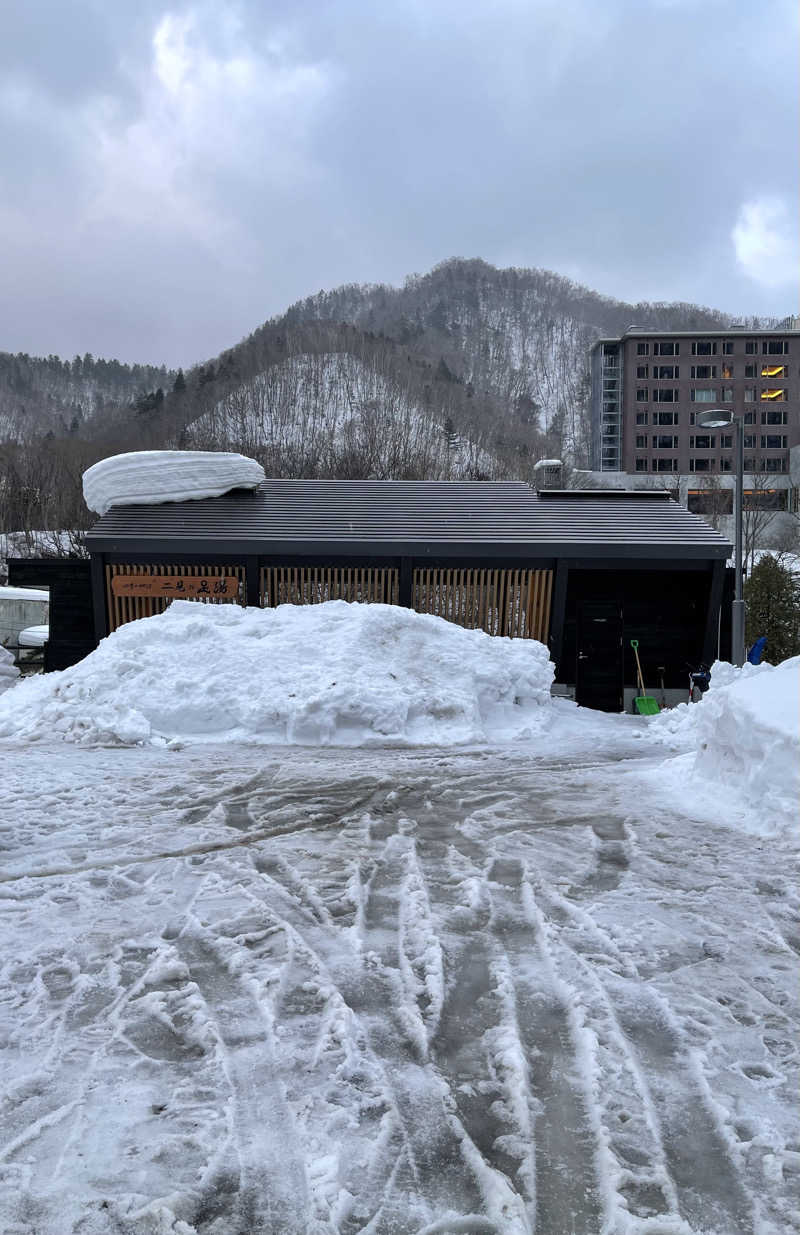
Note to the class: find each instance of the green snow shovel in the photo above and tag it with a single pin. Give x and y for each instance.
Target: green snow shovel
(646, 705)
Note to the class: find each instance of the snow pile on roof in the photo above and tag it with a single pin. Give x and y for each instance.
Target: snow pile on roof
(33, 636)
(331, 674)
(153, 476)
(24, 593)
(746, 736)
(8, 670)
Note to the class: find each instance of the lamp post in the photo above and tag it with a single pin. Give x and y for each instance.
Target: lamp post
(722, 418)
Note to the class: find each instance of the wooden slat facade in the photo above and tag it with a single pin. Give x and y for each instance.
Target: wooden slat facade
(123, 609)
(514, 603)
(311, 585)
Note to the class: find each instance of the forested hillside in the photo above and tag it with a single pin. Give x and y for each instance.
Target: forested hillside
(466, 371)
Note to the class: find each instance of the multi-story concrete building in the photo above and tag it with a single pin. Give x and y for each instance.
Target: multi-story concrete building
(648, 386)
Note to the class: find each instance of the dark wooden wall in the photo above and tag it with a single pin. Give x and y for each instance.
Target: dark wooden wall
(666, 610)
(71, 617)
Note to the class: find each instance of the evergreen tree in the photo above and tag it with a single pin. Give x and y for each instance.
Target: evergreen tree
(772, 605)
(179, 383)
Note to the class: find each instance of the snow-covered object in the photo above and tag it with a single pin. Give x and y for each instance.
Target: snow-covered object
(331, 674)
(746, 735)
(24, 593)
(153, 476)
(34, 636)
(8, 670)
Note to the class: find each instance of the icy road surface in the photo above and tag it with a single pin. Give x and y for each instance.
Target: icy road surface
(321, 992)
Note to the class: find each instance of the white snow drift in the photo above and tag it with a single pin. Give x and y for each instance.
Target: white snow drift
(745, 735)
(8, 670)
(330, 674)
(153, 476)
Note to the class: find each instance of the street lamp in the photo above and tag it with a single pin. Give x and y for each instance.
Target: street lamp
(722, 418)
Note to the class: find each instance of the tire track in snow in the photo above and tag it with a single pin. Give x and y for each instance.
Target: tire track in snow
(567, 1193)
(708, 1186)
(270, 1194)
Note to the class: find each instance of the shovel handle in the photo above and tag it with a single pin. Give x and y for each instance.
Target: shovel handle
(635, 646)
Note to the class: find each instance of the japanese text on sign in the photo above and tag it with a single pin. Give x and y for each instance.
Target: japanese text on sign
(216, 587)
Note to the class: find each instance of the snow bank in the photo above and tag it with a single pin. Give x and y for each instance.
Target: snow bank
(331, 674)
(8, 670)
(153, 476)
(746, 736)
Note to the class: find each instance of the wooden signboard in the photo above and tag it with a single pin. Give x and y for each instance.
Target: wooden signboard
(217, 587)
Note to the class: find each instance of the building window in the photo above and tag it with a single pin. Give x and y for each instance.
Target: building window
(670, 395)
(641, 418)
(727, 369)
(702, 441)
(641, 394)
(775, 347)
(749, 418)
(665, 465)
(665, 418)
(727, 394)
(773, 465)
(773, 370)
(727, 347)
(773, 441)
(642, 349)
(703, 371)
(749, 462)
(666, 349)
(700, 465)
(664, 441)
(726, 465)
(749, 394)
(669, 371)
(641, 465)
(765, 499)
(749, 441)
(704, 347)
(726, 441)
(773, 395)
(642, 370)
(703, 396)
(773, 418)
(610, 349)
(750, 370)
(751, 347)
(641, 441)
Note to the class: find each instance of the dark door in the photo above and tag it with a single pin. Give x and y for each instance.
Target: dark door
(599, 669)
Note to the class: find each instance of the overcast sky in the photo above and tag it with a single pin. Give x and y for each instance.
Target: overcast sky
(171, 175)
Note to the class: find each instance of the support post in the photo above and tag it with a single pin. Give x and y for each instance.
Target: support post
(252, 587)
(405, 594)
(738, 616)
(99, 598)
(558, 614)
(710, 639)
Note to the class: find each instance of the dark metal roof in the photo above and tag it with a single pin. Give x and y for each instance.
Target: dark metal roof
(453, 518)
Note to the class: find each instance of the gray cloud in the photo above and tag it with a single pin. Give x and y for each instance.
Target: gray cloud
(172, 175)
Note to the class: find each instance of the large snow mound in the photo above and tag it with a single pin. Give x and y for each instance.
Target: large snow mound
(746, 736)
(153, 476)
(330, 674)
(8, 670)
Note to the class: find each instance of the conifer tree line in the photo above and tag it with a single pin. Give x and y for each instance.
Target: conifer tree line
(467, 371)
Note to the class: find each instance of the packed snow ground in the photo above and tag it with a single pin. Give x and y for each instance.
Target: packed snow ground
(548, 985)
(308, 991)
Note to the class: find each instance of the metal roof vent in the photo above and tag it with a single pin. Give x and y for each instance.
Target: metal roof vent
(547, 474)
